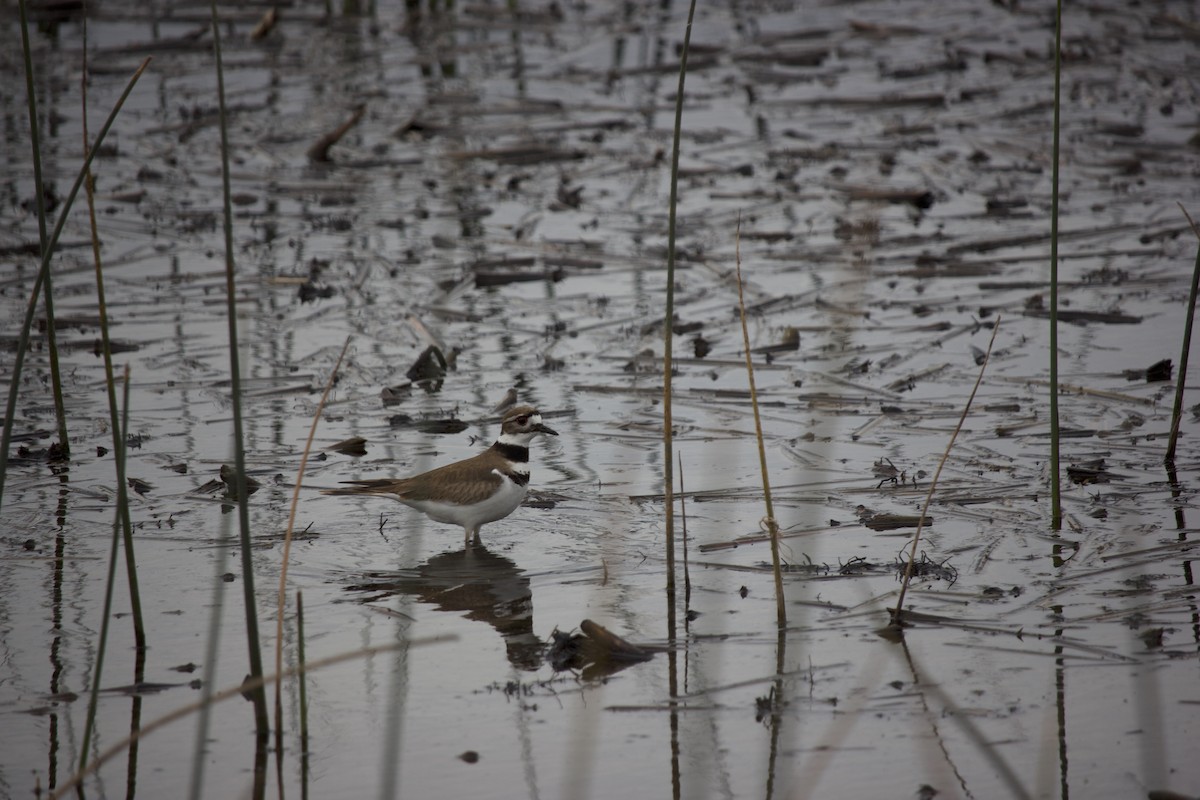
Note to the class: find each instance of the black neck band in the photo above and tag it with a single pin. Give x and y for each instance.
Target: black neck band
(513, 452)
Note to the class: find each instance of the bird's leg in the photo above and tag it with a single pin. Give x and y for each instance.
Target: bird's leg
(476, 539)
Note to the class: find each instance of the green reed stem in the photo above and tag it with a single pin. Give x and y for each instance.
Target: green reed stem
(896, 622)
(44, 271)
(1181, 375)
(1055, 482)
(772, 524)
(35, 141)
(669, 319)
(239, 454)
(135, 594)
(122, 512)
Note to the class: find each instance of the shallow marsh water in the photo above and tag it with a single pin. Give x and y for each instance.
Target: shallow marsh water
(889, 164)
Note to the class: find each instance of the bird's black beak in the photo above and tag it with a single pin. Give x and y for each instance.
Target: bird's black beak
(540, 428)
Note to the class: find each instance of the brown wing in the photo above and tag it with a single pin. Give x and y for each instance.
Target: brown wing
(461, 483)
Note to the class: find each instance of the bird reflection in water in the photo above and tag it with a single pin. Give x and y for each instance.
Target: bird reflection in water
(489, 587)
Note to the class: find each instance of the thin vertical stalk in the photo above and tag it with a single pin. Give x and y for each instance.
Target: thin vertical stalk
(43, 271)
(1055, 489)
(668, 419)
(300, 675)
(239, 455)
(106, 613)
(135, 594)
(669, 322)
(687, 578)
(778, 686)
(772, 525)
(35, 140)
(1181, 375)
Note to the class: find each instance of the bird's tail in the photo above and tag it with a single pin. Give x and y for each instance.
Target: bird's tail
(374, 486)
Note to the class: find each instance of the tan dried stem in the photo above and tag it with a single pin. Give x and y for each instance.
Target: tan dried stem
(287, 539)
(772, 525)
(912, 556)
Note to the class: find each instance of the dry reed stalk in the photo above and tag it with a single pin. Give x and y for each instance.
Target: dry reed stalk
(898, 611)
(772, 525)
(287, 548)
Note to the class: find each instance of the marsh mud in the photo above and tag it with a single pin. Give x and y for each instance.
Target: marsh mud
(492, 181)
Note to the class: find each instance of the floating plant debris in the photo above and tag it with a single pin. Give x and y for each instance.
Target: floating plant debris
(354, 446)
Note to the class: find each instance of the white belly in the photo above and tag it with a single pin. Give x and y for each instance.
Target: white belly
(498, 506)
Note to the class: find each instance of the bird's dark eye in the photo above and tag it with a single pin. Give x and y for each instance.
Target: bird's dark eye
(522, 420)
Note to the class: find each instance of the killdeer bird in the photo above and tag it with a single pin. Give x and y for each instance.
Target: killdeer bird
(476, 490)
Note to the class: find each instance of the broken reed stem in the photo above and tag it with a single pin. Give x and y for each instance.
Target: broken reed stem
(687, 578)
(1055, 482)
(35, 141)
(1177, 412)
(669, 325)
(244, 687)
(44, 271)
(135, 594)
(239, 453)
(287, 547)
(122, 513)
(319, 152)
(772, 525)
(912, 556)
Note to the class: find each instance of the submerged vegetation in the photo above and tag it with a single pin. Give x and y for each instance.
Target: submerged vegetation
(767, 246)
